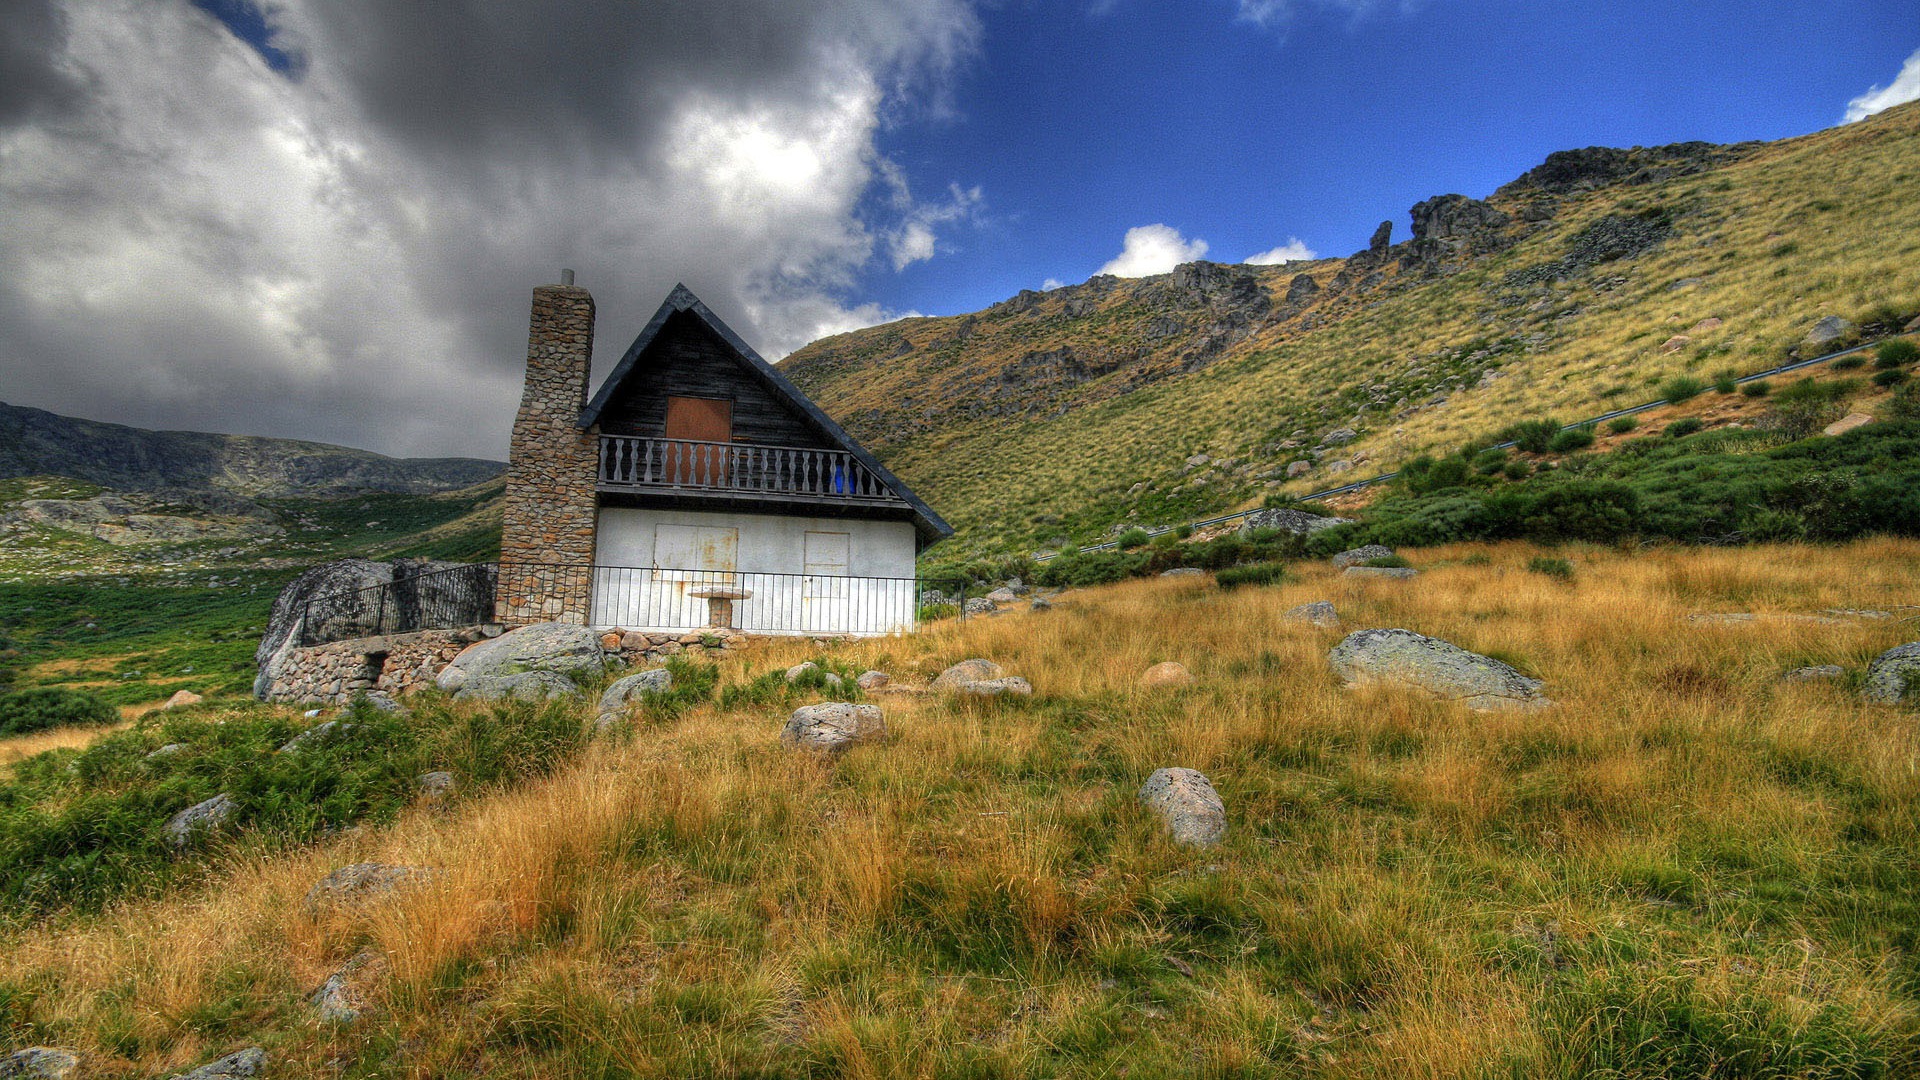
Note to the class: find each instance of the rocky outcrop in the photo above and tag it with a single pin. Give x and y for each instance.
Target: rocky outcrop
(1894, 675)
(1454, 217)
(1613, 237)
(344, 600)
(1828, 330)
(1186, 802)
(832, 727)
(563, 649)
(1440, 668)
(1568, 172)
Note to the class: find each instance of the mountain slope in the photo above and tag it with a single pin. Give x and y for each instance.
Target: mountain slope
(34, 442)
(1576, 288)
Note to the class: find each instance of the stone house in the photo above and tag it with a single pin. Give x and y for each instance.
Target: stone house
(696, 488)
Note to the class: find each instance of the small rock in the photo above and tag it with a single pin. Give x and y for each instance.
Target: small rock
(435, 786)
(610, 641)
(1711, 322)
(872, 680)
(384, 702)
(1297, 469)
(1815, 673)
(801, 670)
(1828, 330)
(1397, 572)
(1197, 460)
(166, 751)
(1356, 556)
(343, 997)
(833, 726)
(979, 605)
(1894, 675)
(1040, 603)
(1019, 587)
(1438, 667)
(1003, 596)
(182, 827)
(1339, 436)
(39, 1063)
(1847, 423)
(182, 698)
(633, 641)
(1320, 613)
(311, 714)
(1857, 613)
(318, 734)
(1711, 618)
(1675, 343)
(358, 881)
(1012, 684)
(238, 1066)
(967, 671)
(1183, 571)
(1167, 673)
(627, 690)
(1186, 801)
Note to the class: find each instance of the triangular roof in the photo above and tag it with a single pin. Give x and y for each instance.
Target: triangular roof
(929, 524)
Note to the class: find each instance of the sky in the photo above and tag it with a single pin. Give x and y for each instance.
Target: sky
(322, 219)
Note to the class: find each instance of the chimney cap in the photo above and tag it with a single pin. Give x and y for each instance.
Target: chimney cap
(566, 277)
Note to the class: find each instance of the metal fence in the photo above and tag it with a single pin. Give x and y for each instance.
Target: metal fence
(1242, 515)
(435, 600)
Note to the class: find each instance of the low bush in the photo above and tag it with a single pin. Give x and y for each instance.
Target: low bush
(1490, 461)
(1681, 388)
(1517, 469)
(1905, 404)
(1532, 435)
(1807, 406)
(1268, 573)
(1758, 388)
(1890, 377)
(1895, 352)
(1849, 363)
(1726, 382)
(1685, 426)
(1558, 569)
(37, 710)
(1620, 425)
(1133, 538)
(1091, 568)
(1566, 442)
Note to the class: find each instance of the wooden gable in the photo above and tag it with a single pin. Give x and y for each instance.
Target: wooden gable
(686, 359)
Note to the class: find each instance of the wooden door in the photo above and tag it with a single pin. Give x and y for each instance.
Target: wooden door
(700, 421)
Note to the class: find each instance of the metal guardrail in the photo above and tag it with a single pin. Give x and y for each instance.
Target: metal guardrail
(1241, 515)
(644, 598)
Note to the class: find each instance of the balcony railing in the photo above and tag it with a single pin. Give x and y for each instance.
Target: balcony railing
(636, 463)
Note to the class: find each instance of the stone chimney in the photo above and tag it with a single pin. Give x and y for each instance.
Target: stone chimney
(547, 534)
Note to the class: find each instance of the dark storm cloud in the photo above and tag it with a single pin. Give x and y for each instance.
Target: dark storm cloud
(32, 84)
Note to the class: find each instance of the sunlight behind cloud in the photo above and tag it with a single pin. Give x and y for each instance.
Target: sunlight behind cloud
(1153, 249)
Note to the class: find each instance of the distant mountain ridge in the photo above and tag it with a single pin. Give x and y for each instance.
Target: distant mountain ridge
(34, 442)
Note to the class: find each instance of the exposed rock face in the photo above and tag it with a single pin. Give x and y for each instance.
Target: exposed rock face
(1167, 673)
(340, 600)
(1291, 520)
(1356, 556)
(198, 819)
(967, 671)
(1302, 289)
(833, 726)
(1566, 172)
(1454, 217)
(1183, 571)
(1847, 423)
(1382, 237)
(1829, 330)
(1397, 573)
(358, 881)
(239, 1066)
(1438, 667)
(519, 686)
(1894, 676)
(39, 1063)
(1612, 237)
(559, 648)
(1233, 289)
(1186, 801)
(1320, 613)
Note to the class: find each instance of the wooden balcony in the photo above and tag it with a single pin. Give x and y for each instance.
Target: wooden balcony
(735, 470)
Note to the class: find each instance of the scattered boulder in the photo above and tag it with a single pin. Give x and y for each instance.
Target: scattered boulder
(238, 1066)
(1815, 673)
(1018, 587)
(1187, 803)
(1356, 556)
(436, 785)
(1012, 684)
(979, 605)
(628, 689)
(554, 648)
(182, 698)
(872, 680)
(967, 671)
(166, 751)
(520, 686)
(1395, 572)
(1040, 603)
(1339, 436)
(1894, 675)
(1297, 469)
(1675, 343)
(1320, 613)
(201, 817)
(1711, 322)
(383, 701)
(833, 726)
(39, 1063)
(357, 881)
(1183, 571)
(1829, 330)
(1003, 596)
(319, 733)
(344, 996)
(801, 670)
(1847, 423)
(1168, 673)
(1438, 667)
(1299, 522)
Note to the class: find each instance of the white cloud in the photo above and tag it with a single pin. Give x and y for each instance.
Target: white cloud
(1292, 251)
(192, 240)
(1153, 249)
(1278, 13)
(1904, 88)
(1051, 284)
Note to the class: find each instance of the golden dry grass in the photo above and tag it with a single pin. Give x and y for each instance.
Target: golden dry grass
(18, 747)
(1407, 888)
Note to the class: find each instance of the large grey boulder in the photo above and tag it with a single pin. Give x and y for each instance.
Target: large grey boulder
(629, 689)
(1356, 556)
(1894, 675)
(833, 726)
(199, 818)
(1011, 684)
(1438, 667)
(1829, 330)
(358, 881)
(341, 600)
(39, 1063)
(1399, 573)
(238, 1066)
(1294, 521)
(967, 671)
(1319, 613)
(1187, 803)
(562, 648)
(520, 686)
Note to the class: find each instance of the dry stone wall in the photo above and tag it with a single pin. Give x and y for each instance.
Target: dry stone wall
(547, 535)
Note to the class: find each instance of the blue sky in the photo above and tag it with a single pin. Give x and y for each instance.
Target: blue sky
(323, 218)
(1078, 124)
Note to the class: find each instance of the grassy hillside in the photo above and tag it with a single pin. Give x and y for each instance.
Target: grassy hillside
(1060, 416)
(1689, 867)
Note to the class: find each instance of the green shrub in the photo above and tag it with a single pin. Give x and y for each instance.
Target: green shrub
(1894, 352)
(1576, 438)
(1269, 573)
(1620, 425)
(1681, 388)
(1184, 532)
(1091, 568)
(1685, 426)
(38, 710)
(1758, 388)
(1890, 377)
(1517, 469)
(1809, 405)
(1906, 403)
(1489, 461)
(1558, 569)
(1725, 384)
(1532, 435)
(1133, 538)
(1849, 363)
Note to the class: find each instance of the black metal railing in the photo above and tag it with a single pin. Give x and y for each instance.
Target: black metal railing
(434, 600)
(638, 463)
